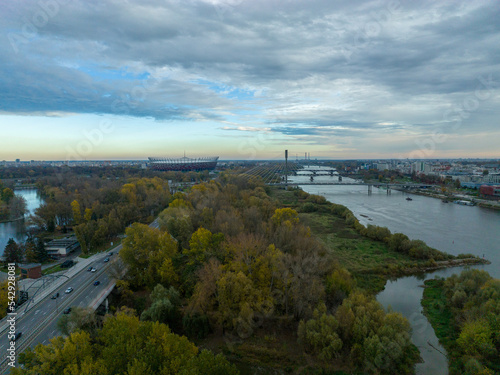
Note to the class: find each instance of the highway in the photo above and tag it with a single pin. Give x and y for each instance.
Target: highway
(39, 324)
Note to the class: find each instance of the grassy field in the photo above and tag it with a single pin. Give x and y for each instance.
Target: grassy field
(53, 269)
(434, 303)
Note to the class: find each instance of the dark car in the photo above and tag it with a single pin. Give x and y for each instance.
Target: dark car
(18, 335)
(67, 264)
(106, 260)
(89, 269)
(110, 254)
(97, 282)
(67, 311)
(54, 296)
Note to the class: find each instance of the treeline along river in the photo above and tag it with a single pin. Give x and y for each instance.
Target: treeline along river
(17, 229)
(447, 227)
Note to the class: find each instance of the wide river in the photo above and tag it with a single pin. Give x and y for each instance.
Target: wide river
(448, 227)
(16, 229)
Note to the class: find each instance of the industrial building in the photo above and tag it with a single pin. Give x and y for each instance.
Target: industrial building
(62, 247)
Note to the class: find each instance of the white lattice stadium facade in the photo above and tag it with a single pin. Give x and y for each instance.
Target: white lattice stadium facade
(183, 164)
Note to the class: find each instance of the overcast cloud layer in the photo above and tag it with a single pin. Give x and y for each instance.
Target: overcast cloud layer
(360, 77)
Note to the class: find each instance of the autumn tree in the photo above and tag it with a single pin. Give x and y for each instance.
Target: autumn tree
(7, 195)
(124, 345)
(202, 245)
(77, 212)
(147, 252)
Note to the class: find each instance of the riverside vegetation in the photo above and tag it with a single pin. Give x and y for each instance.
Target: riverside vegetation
(276, 280)
(465, 313)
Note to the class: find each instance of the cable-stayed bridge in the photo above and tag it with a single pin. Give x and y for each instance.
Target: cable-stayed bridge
(278, 173)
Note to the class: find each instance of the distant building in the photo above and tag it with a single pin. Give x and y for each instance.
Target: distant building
(421, 167)
(62, 247)
(31, 270)
(490, 191)
(383, 166)
(183, 164)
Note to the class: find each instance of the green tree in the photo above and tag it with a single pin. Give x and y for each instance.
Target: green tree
(79, 319)
(476, 338)
(319, 335)
(7, 194)
(164, 307)
(13, 253)
(41, 252)
(30, 250)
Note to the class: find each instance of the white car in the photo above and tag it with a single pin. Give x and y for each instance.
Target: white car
(69, 290)
(93, 270)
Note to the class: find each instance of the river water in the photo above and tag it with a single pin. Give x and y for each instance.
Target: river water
(447, 227)
(16, 229)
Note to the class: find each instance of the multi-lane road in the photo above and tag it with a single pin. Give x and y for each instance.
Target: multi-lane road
(39, 324)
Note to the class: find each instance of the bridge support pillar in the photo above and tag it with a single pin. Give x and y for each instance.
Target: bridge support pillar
(388, 190)
(369, 189)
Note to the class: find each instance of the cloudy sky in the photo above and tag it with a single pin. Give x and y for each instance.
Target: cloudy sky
(247, 79)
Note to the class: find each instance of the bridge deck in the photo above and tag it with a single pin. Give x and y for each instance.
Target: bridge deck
(352, 183)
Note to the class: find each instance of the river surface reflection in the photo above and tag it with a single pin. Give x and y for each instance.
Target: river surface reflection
(17, 229)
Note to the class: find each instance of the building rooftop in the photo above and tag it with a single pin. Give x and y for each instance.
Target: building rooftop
(30, 265)
(67, 241)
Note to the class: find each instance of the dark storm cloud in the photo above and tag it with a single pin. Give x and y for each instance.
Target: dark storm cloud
(312, 65)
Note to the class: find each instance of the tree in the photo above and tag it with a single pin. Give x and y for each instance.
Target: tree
(79, 319)
(41, 252)
(30, 250)
(12, 252)
(124, 345)
(319, 335)
(282, 215)
(77, 212)
(17, 207)
(7, 195)
(202, 245)
(164, 307)
(147, 252)
(476, 339)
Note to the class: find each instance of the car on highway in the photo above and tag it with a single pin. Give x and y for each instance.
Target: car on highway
(54, 296)
(110, 254)
(97, 282)
(106, 260)
(93, 269)
(69, 290)
(18, 335)
(67, 311)
(89, 269)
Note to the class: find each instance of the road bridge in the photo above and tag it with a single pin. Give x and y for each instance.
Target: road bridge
(370, 185)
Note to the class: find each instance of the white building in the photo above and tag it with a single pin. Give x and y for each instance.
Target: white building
(62, 247)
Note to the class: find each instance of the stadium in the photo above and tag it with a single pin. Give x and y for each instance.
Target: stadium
(183, 164)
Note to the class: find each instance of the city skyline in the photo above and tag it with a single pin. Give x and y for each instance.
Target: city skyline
(245, 80)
